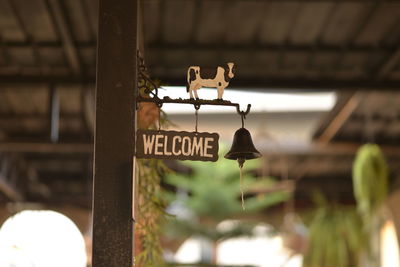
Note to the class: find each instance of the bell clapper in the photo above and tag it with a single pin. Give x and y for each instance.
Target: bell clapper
(241, 162)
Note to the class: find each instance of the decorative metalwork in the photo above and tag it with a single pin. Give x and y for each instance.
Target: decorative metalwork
(148, 92)
(218, 78)
(147, 88)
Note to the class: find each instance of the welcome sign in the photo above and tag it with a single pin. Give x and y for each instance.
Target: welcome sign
(177, 145)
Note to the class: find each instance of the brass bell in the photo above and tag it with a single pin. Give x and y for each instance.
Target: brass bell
(242, 147)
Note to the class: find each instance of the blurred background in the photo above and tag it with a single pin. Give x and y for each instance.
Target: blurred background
(322, 77)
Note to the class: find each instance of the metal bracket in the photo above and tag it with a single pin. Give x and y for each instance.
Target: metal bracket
(196, 103)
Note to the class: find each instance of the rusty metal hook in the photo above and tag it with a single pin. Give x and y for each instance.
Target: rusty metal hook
(243, 112)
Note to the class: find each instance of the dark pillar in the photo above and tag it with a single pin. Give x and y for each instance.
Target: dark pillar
(114, 134)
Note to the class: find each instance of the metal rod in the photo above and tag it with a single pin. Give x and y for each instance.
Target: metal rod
(196, 103)
(196, 113)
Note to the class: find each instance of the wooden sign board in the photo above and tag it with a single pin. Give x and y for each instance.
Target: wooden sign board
(177, 145)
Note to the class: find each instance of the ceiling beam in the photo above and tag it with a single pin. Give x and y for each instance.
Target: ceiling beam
(340, 118)
(8, 80)
(61, 23)
(286, 47)
(306, 1)
(87, 6)
(156, 47)
(287, 186)
(46, 44)
(320, 149)
(384, 67)
(329, 184)
(26, 147)
(388, 65)
(27, 35)
(9, 172)
(9, 191)
(355, 33)
(268, 83)
(9, 117)
(60, 200)
(332, 149)
(54, 114)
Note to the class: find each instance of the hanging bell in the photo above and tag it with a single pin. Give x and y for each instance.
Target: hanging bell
(242, 147)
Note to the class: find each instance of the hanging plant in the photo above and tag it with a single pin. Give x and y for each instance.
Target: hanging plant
(370, 178)
(336, 236)
(370, 185)
(150, 209)
(151, 213)
(339, 235)
(150, 204)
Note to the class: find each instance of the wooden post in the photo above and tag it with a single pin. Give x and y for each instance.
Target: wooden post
(115, 134)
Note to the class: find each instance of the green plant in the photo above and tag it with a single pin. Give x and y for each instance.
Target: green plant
(150, 215)
(370, 179)
(339, 235)
(336, 236)
(214, 196)
(150, 204)
(370, 185)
